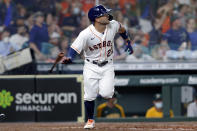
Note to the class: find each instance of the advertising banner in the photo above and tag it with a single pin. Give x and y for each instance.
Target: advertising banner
(155, 80)
(42, 98)
(11, 89)
(61, 98)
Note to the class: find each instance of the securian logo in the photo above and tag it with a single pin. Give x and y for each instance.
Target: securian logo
(5, 99)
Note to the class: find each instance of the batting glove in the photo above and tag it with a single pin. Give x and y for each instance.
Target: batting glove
(66, 60)
(129, 47)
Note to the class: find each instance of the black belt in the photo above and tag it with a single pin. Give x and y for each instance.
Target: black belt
(100, 64)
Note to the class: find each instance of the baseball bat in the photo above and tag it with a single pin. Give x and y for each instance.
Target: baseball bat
(58, 59)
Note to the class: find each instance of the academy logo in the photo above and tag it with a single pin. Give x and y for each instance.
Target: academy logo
(5, 99)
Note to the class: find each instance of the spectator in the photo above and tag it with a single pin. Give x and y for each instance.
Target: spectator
(110, 109)
(191, 29)
(51, 50)
(176, 37)
(84, 23)
(119, 16)
(7, 12)
(87, 4)
(30, 22)
(159, 52)
(147, 8)
(52, 24)
(22, 12)
(71, 20)
(65, 7)
(193, 8)
(145, 24)
(5, 46)
(156, 111)
(38, 35)
(131, 12)
(183, 13)
(28, 4)
(124, 3)
(112, 4)
(64, 45)
(156, 34)
(119, 51)
(46, 6)
(20, 21)
(192, 108)
(20, 37)
(64, 10)
(168, 9)
(141, 51)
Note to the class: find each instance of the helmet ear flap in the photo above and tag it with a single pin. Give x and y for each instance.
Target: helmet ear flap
(110, 17)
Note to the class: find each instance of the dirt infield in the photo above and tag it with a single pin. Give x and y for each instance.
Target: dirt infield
(148, 126)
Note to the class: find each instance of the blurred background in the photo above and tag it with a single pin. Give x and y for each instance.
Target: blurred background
(164, 62)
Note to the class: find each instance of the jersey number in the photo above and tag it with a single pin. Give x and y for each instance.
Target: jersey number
(109, 52)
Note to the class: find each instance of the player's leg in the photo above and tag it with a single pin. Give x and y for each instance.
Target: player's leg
(90, 94)
(106, 84)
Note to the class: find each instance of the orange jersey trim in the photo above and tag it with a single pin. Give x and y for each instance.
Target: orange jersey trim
(75, 49)
(99, 39)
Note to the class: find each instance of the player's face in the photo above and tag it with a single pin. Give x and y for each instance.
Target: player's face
(104, 20)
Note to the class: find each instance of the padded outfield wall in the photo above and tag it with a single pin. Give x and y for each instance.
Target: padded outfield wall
(44, 98)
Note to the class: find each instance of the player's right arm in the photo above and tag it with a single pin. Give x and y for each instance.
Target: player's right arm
(76, 48)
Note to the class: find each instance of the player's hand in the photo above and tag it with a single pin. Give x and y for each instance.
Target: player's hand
(66, 60)
(129, 48)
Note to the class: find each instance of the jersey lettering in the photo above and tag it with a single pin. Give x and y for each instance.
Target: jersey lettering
(91, 49)
(109, 43)
(95, 47)
(104, 43)
(99, 45)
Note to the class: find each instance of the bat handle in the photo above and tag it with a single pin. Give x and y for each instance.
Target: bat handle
(51, 70)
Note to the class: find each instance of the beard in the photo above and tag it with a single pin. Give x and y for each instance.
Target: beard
(104, 22)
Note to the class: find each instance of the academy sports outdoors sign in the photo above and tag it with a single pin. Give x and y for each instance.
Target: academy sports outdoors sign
(155, 80)
(42, 98)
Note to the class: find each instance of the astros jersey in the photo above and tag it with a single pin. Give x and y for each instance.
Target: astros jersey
(96, 45)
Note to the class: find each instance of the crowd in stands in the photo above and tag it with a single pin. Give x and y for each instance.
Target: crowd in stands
(161, 29)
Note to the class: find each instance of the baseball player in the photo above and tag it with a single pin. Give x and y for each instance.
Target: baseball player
(97, 44)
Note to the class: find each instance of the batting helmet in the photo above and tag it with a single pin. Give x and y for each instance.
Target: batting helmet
(98, 11)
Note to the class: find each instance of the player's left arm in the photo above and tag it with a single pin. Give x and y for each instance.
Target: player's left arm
(123, 33)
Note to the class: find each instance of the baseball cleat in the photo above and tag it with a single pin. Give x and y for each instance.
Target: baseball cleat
(90, 124)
